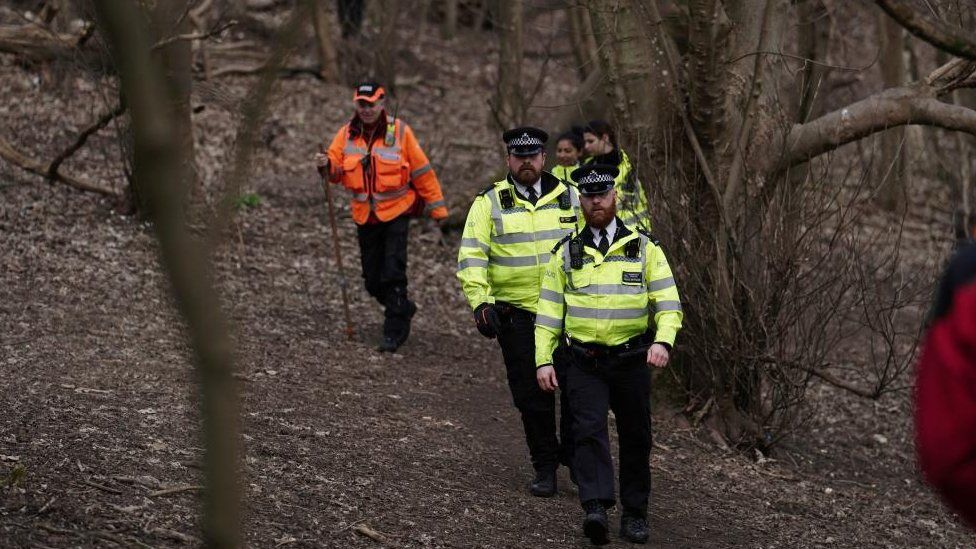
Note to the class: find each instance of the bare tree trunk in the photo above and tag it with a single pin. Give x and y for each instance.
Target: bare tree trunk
(176, 60)
(329, 59)
(630, 65)
(891, 170)
(509, 106)
(812, 36)
(964, 142)
(583, 41)
(386, 44)
(158, 144)
(449, 27)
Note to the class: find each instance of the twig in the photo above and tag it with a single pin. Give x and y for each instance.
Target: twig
(173, 534)
(176, 490)
(364, 530)
(102, 487)
(46, 506)
(195, 35)
(15, 157)
(807, 60)
(79, 142)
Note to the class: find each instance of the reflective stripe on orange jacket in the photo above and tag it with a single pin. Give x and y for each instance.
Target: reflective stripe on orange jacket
(400, 171)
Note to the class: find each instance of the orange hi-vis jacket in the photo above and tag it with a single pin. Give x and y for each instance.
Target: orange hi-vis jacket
(399, 171)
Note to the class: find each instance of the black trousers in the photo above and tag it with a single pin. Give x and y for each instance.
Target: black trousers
(537, 407)
(383, 248)
(624, 386)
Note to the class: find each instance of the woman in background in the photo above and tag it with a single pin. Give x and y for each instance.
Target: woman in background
(569, 151)
(600, 144)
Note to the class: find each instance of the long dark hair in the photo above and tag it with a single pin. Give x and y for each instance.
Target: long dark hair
(602, 127)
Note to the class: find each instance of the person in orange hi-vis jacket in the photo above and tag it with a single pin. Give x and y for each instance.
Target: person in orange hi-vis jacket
(378, 159)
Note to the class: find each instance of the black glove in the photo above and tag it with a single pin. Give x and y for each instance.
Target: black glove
(487, 321)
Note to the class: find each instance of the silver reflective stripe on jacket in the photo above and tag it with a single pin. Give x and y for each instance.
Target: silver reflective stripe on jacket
(522, 238)
(421, 171)
(605, 314)
(389, 195)
(549, 322)
(609, 289)
(520, 260)
(474, 243)
(662, 284)
(662, 306)
(472, 262)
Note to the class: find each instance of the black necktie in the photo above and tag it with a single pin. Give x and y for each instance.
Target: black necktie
(604, 244)
(530, 192)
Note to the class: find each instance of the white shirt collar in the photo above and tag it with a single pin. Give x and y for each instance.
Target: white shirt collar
(611, 230)
(524, 189)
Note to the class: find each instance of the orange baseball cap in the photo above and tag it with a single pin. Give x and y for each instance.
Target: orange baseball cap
(369, 91)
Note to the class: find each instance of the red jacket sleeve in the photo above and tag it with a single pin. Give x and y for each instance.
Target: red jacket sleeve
(945, 405)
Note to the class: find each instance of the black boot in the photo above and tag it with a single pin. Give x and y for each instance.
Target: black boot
(396, 325)
(544, 485)
(595, 525)
(633, 528)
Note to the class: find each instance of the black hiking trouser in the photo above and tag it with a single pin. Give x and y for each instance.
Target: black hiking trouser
(623, 385)
(383, 248)
(516, 336)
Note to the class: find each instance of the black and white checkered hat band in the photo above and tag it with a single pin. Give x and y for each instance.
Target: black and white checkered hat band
(525, 141)
(596, 177)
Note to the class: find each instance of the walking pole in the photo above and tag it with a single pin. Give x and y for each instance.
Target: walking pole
(335, 245)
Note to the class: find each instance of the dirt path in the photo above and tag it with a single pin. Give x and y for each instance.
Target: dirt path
(97, 407)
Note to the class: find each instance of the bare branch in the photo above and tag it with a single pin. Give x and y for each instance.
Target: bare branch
(15, 157)
(79, 142)
(216, 30)
(915, 103)
(933, 32)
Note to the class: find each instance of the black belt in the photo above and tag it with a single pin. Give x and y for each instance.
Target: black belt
(632, 347)
(507, 310)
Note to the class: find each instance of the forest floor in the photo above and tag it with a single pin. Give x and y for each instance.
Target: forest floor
(98, 410)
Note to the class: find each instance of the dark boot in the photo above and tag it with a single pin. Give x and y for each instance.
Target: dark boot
(396, 325)
(544, 485)
(633, 528)
(595, 524)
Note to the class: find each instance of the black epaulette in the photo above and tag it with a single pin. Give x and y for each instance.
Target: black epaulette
(487, 190)
(560, 243)
(649, 236)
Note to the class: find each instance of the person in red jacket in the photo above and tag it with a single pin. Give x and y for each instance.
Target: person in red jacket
(378, 159)
(945, 389)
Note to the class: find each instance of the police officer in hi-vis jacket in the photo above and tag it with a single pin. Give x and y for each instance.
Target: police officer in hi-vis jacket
(510, 230)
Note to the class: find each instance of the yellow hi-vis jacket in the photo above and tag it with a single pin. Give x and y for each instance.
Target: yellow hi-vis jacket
(607, 300)
(632, 206)
(563, 173)
(506, 241)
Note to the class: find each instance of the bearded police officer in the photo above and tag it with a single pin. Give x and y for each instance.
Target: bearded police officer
(598, 293)
(509, 232)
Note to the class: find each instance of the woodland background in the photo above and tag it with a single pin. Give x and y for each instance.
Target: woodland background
(154, 332)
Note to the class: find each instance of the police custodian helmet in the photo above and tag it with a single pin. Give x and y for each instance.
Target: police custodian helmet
(594, 178)
(525, 141)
